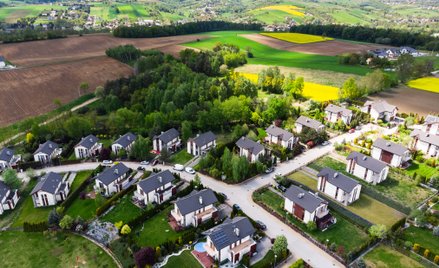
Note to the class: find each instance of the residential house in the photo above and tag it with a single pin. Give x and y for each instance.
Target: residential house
(338, 186)
(88, 147)
(279, 136)
(425, 142)
(196, 208)
(333, 113)
(250, 149)
(125, 142)
(46, 152)
(431, 125)
(231, 240)
(201, 143)
(113, 180)
(8, 197)
(367, 168)
(50, 189)
(304, 121)
(169, 140)
(380, 109)
(8, 159)
(157, 188)
(2, 62)
(391, 153)
(307, 206)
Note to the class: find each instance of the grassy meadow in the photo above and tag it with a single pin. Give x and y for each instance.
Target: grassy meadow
(298, 38)
(13, 13)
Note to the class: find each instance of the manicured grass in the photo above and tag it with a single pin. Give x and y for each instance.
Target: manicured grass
(182, 157)
(304, 179)
(298, 38)
(422, 169)
(384, 256)
(423, 237)
(81, 176)
(267, 261)
(184, 260)
(426, 83)
(20, 249)
(124, 211)
(266, 55)
(85, 208)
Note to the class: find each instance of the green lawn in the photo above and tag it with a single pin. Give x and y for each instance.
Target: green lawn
(266, 55)
(422, 169)
(85, 208)
(267, 261)
(383, 256)
(124, 211)
(424, 237)
(304, 179)
(184, 260)
(182, 157)
(20, 249)
(81, 176)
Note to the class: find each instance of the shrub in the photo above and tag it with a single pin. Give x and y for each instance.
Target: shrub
(408, 245)
(311, 226)
(118, 225)
(426, 253)
(436, 259)
(416, 247)
(333, 246)
(125, 230)
(298, 264)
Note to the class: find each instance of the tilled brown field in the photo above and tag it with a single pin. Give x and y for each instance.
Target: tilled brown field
(328, 48)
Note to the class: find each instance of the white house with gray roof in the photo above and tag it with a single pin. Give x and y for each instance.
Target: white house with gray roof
(201, 143)
(231, 240)
(367, 168)
(304, 121)
(169, 140)
(333, 113)
(307, 206)
(343, 189)
(8, 197)
(157, 188)
(113, 180)
(250, 149)
(195, 208)
(50, 189)
(391, 153)
(46, 152)
(88, 146)
(125, 142)
(431, 125)
(281, 137)
(380, 109)
(425, 142)
(8, 159)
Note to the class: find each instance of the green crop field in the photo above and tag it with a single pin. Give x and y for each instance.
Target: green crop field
(12, 14)
(273, 16)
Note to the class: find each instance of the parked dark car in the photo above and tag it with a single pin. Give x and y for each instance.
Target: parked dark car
(140, 168)
(261, 225)
(281, 188)
(236, 206)
(269, 170)
(155, 162)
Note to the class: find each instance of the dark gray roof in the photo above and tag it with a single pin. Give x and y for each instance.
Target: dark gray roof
(47, 148)
(339, 180)
(250, 145)
(308, 122)
(425, 137)
(381, 106)
(126, 139)
(431, 119)
(337, 109)
(204, 139)
(192, 202)
(48, 183)
(168, 135)
(6, 154)
(4, 189)
(310, 202)
(110, 174)
(88, 142)
(389, 146)
(156, 181)
(279, 132)
(367, 162)
(230, 231)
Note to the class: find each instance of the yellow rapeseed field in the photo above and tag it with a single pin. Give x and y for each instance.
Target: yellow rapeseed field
(293, 10)
(312, 91)
(298, 37)
(426, 83)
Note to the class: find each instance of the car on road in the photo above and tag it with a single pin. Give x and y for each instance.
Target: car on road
(178, 167)
(189, 170)
(236, 206)
(269, 170)
(325, 143)
(261, 225)
(155, 162)
(107, 162)
(140, 168)
(281, 188)
(352, 130)
(144, 163)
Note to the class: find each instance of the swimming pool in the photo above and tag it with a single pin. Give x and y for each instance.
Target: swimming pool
(200, 247)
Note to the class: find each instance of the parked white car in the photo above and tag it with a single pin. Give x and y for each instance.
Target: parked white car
(144, 163)
(178, 167)
(107, 162)
(189, 170)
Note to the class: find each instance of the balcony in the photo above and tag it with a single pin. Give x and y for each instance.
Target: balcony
(242, 246)
(204, 214)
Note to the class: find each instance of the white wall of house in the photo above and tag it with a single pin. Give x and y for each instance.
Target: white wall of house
(226, 252)
(432, 129)
(367, 174)
(112, 187)
(289, 206)
(115, 147)
(334, 117)
(427, 148)
(153, 196)
(299, 127)
(43, 158)
(338, 194)
(40, 195)
(396, 161)
(194, 150)
(9, 204)
(83, 152)
(251, 157)
(158, 145)
(289, 144)
(4, 165)
(190, 218)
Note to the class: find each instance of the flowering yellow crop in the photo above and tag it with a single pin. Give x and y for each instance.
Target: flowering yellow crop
(298, 37)
(293, 10)
(426, 83)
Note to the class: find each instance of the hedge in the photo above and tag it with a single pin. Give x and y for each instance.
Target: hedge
(35, 227)
(108, 203)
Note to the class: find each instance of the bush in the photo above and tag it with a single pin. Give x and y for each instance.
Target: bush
(66, 222)
(35, 227)
(298, 264)
(436, 259)
(311, 226)
(416, 247)
(426, 253)
(408, 245)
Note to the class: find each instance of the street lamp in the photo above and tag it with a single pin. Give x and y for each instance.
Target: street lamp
(275, 256)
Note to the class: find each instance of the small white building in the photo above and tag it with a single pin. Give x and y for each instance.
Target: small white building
(307, 122)
(307, 206)
(157, 188)
(391, 153)
(88, 147)
(195, 208)
(169, 140)
(46, 152)
(250, 149)
(8, 197)
(113, 180)
(201, 143)
(125, 142)
(50, 189)
(281, 137)
(231, 240)
(8, 159)
(431, 125)
(425, 142)
(367, 168)
(333, 113)
(380, 110)
(338, 186)
(2, 62)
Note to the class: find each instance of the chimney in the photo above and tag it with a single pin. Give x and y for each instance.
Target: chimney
(335, 174)
(237, 231)
(160, 179)
(91, 139)
(388, 144)
(301, 195)
(128, 138)
(364, 158)
(116, 171)
(50, 145)
(200, 199)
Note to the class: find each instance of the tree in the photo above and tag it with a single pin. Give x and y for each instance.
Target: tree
(311, 226)
(118, 225)
(77, 127)
(99, 92)
(277, 108)
(99, 200)
(271, 80)
(140, 149)
(299, 85)
(164, 155)
(288, 84)
(57, 103)
(350, 90)
(66, 222)
(29, 138)
(11, 179)
(125, 230)
(144, 257)
(186, 130)
(54, 218)
(404, 67)
(83, 87)
(378, 231)
(280, 246)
